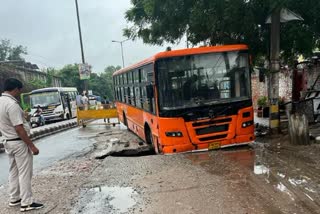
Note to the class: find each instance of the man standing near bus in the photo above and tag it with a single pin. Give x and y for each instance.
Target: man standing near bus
(19, 147)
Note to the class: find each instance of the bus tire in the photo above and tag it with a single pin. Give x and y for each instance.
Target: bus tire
(149, 139)
(125, 121)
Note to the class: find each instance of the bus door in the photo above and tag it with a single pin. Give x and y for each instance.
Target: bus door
(66, 104)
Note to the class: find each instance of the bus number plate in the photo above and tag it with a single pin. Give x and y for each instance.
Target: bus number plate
(215, 145)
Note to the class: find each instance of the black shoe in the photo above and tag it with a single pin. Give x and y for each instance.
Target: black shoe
(33, 206)
(14, 203)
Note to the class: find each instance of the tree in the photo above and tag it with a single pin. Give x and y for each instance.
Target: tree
(37, 83)
(224, 22)
(70, 77)
(50, 73)
(9, 52)
(100, 84)
(107, 78)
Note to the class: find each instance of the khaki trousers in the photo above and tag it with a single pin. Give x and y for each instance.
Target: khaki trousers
(20, 171)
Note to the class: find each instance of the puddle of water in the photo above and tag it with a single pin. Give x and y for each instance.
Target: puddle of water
(284, 172)
(54, 148)
(104, 199)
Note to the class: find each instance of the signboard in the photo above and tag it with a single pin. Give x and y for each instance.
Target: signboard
(84, 71)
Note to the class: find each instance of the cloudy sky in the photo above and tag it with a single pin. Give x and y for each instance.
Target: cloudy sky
(48, 28)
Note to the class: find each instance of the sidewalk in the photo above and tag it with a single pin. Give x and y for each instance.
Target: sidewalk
(46, 130)
(262, 121)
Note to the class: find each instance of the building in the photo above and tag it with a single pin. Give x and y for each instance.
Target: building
(26, 72)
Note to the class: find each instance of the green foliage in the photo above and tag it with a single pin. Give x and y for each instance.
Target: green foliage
(100, 84)
(225, 22)
(262, 101)
(10, 52)
(36, 83)
(70, 77)
(107, 75)
(50, 73)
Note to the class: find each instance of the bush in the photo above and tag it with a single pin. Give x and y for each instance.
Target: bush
(262, 101)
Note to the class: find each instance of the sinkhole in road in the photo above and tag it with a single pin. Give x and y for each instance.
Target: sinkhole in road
(133, 152)
(105, 199)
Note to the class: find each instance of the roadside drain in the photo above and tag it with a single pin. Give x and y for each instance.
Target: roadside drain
(104, 199)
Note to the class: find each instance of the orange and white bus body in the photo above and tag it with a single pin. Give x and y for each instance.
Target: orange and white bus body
(156, 102)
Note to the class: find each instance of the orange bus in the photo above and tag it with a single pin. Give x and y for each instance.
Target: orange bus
(188, 100)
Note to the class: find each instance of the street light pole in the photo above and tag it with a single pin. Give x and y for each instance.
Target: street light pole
(120, 42)
(81, 44)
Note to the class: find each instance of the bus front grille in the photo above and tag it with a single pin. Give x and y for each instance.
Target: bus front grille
(212, 122)
(47, 111)
(212, 129)
(215, 137)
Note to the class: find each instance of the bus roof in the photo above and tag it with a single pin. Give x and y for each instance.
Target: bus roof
(54, 89)
(184, 52)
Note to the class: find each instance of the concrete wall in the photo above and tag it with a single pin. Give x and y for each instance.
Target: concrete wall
(260, 89)
(311, 72)
(27, 74)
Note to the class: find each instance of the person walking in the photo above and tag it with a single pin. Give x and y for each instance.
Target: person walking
(19, 147)
(85, 99)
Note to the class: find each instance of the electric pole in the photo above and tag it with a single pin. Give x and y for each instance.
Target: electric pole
(85, 82)
(274, 117)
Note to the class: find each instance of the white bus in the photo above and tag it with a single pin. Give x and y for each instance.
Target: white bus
(57, 103)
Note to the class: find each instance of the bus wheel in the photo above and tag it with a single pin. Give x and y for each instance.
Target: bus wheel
(149, 139)
(125, 122)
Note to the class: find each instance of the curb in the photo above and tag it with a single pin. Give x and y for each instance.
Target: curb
(46, 131)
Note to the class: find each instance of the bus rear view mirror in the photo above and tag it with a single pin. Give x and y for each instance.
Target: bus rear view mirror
(150, 91)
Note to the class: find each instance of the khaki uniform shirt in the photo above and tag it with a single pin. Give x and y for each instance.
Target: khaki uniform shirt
(11, 115)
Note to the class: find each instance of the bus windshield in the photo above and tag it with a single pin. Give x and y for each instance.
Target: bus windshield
(203, 79)
(45, 99)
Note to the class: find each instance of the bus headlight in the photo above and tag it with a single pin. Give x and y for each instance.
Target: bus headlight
(246, 124)
(174, 134)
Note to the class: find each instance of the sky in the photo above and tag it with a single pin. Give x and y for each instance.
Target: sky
(48, 28)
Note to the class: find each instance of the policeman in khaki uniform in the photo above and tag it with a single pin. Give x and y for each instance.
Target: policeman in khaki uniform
(20, 149)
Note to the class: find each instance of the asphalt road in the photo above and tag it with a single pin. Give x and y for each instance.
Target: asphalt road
(268, 177)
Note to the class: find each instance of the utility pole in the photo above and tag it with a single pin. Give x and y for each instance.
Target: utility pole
(85, 82)
(274, 117)
(120, 42)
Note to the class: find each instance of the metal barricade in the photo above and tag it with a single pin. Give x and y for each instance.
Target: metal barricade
(87, 113)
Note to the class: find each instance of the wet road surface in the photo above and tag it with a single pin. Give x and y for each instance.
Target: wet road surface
(57, 147)
(247, 179)
(281, 170)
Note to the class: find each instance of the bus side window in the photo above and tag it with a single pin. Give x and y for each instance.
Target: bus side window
(128, 100)
(115, 89)
(144, 99)
(132, 95)
(120, 94)
(144, 75)
(74, 95)
(137, 96)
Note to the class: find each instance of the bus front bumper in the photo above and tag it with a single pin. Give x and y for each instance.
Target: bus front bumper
(187, 148)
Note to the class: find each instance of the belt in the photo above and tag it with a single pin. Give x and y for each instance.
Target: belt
(15, 139)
